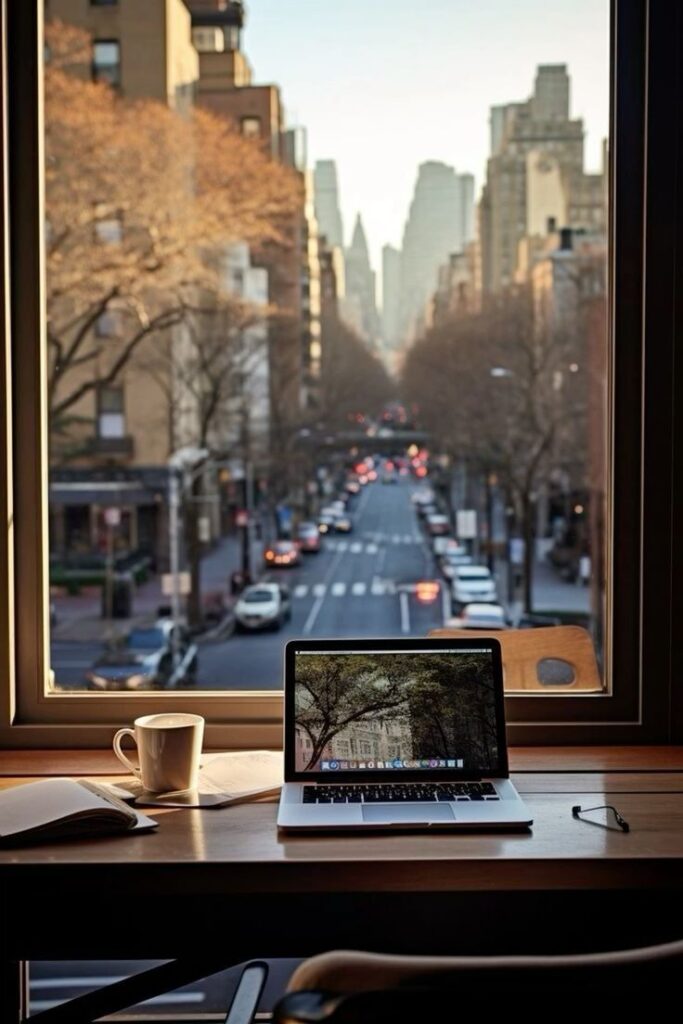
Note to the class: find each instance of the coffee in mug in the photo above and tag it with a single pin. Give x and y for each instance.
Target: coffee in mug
(169, 748)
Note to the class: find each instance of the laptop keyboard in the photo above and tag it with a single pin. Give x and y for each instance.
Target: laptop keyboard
(403, 792)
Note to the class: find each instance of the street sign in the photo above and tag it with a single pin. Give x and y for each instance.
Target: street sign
(184, 584)
(467, 524)
(112, 516)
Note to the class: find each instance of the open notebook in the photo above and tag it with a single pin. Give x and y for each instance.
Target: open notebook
(63, 808)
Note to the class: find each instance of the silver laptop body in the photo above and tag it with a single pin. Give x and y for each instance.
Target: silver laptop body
(396, 734)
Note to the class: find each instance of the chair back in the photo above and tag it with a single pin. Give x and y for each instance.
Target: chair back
(549, 659)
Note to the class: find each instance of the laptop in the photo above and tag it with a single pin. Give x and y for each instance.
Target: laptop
(396, 734)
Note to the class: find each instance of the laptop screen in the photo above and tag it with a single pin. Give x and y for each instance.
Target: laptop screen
(420, 709)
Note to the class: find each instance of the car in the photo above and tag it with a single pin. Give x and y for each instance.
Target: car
(326, 522)
(424, 496)
(450, 560)
(352, 487)
(389, 477)
(308, 538)
(337, 507)
(479, 615)
(263, 606)
(283, 553)
(443, 543)
(437, 524)
(155, 657)
(343, 524)
(473, 583)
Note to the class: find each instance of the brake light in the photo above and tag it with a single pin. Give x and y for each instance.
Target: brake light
(427, 591)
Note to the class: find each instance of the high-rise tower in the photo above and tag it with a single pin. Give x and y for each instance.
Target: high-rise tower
(360, 286)
(327, 210)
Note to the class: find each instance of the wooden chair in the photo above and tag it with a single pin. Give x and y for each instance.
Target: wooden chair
(551, 659)
(368, 988)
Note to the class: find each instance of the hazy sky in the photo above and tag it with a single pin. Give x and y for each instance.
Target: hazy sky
(382, 85)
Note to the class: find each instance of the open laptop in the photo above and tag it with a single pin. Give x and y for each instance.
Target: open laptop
(396, 734)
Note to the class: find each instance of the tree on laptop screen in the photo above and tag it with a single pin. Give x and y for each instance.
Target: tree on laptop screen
(361, 709)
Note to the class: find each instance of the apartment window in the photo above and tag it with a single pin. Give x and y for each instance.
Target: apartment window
(251, 127)
(476, 413)
(106, 62)
(110, 417)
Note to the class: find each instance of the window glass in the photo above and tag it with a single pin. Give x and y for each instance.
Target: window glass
(388, 324)
(106, 62)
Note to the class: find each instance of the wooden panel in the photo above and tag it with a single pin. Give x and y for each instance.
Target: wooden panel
(524, 649)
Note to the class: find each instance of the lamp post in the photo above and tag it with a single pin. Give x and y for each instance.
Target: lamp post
(190, 462)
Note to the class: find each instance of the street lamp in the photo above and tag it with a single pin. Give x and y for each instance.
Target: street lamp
(187, 460)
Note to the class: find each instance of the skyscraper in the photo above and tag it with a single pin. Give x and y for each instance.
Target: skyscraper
(391, 294)
(440, 222)
(327, 210)
(535, 173)
(360, 286)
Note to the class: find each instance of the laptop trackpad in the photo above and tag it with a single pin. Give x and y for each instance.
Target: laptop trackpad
(416, 814)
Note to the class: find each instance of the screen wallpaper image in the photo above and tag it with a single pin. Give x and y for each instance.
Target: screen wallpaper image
(423, 710)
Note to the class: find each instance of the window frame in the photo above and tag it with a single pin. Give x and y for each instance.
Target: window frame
(643, 236)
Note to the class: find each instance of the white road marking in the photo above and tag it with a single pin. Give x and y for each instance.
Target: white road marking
(408, 539)
(342, 545)
(405, 613)
(319, 590)
(378, 587)
(396, 539)
(338, 589)
(356, 547)
(301, 590)
(371, 549)
(358, 589)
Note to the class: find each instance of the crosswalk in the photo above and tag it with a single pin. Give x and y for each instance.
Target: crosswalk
(377, 587)
(371, 547)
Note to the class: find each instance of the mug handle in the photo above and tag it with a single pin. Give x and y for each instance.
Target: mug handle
(120, 754)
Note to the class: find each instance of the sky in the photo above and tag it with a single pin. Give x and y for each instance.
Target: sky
(383, 85)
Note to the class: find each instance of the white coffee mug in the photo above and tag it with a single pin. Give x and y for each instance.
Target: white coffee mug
(169, 749)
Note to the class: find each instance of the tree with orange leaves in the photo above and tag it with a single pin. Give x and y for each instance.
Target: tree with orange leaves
(139, 199)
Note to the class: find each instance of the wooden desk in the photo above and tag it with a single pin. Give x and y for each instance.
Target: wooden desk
(267, 895)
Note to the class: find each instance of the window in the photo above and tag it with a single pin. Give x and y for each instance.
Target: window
(110, 419)
(251, 127)
(106, 62)
(427, 418)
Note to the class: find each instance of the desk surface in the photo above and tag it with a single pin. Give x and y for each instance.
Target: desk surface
(239, 849)
(228, 873)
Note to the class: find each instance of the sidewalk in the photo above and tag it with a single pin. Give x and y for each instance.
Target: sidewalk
(550, 592)
(79, 618)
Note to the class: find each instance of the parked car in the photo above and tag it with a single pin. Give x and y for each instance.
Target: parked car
(443, 543)
(263, 606)
(308, 537)
(473, 583)
(283, 553)
(160, 656)
(451, 560)
(437, 525)
(424, 496)
(343, 524)
(479, 615)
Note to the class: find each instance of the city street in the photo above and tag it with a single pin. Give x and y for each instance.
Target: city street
(352, 587)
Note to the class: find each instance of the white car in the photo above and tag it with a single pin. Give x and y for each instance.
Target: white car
(473, 583)
(453, 560)
(440, 545)
(263, 606)
(480, 616)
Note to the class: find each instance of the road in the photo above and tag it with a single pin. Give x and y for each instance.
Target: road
(351, 588)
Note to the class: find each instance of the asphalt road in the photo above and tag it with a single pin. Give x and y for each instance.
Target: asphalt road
(351, 588)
